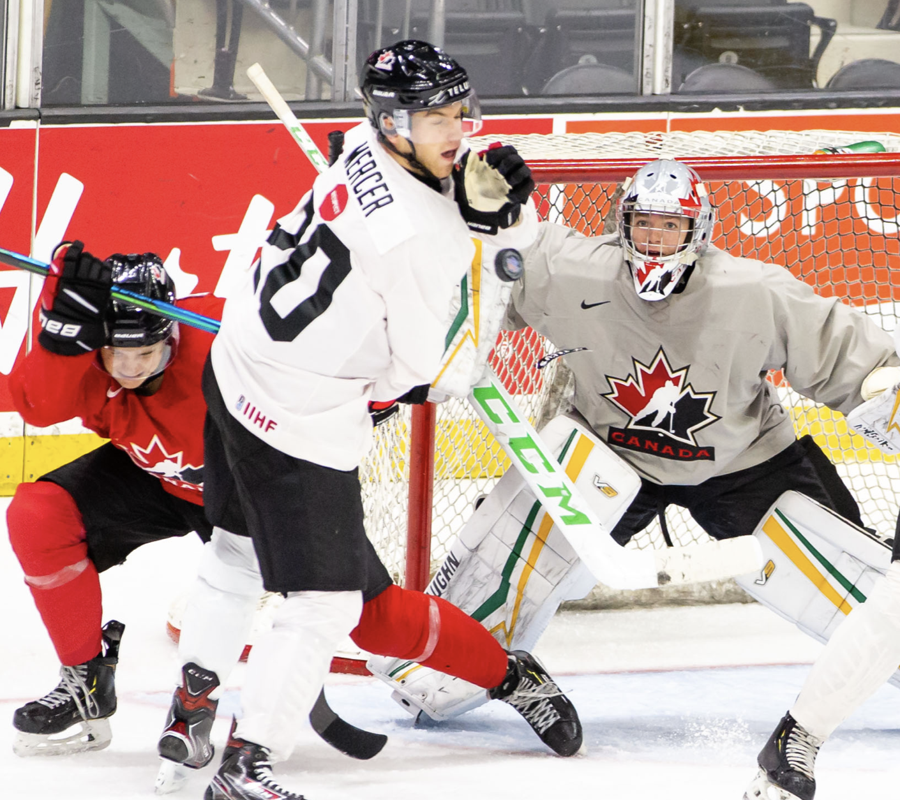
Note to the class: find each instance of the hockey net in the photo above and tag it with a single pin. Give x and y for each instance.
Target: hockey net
(832, 219)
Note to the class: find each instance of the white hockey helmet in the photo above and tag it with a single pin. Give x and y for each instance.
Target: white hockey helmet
(663, 189)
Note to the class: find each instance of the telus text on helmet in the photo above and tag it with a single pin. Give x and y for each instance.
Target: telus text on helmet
(366, 181)
(450, 92)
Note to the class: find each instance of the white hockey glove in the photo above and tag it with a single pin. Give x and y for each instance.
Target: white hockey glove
(491, 188)
(878, 418)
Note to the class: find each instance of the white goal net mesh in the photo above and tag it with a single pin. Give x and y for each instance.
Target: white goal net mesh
(840, 235)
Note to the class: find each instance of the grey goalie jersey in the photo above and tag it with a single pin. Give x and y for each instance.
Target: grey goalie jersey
(677, 387)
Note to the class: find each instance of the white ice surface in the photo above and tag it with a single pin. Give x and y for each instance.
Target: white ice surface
(675, 704)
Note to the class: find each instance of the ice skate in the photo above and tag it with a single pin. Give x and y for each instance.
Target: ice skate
(246, 774)
(74, 717)
(184, 744)
(786, 765)
(532, 692)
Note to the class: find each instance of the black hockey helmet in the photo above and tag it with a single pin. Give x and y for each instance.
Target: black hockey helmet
(412, 76)
(128, 325)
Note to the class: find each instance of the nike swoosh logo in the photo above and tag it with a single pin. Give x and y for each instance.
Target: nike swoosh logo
(110, 393)
(586, 306)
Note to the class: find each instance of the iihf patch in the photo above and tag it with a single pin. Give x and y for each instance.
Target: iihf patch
(334, 203)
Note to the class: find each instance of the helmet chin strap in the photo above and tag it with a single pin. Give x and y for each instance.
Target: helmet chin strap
(418, 168)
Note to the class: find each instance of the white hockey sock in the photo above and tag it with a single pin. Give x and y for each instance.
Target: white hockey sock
(860, 656)
(219, 615)
(288, 665)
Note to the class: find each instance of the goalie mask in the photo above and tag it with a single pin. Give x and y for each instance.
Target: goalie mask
(413, 76)
(139, 343)
(665, 222)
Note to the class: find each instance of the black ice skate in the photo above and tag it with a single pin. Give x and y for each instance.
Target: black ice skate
(786, 764)
(246, 774)
(184, 743)
(532, 692)
(83, 701)
(191, 716)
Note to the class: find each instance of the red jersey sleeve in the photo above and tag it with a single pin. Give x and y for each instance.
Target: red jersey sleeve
(46, 388)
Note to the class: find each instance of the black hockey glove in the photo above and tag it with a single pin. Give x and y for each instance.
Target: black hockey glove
(73, 324)
(415, 396)
(381, 412)
(490, 188)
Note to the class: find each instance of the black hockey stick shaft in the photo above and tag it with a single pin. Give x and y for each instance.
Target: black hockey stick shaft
(341, 735)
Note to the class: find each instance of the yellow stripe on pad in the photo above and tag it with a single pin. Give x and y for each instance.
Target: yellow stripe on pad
(789, 547)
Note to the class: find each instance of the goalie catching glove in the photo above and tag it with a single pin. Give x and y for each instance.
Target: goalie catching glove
(878, 418)
(75, 299)
(491, 188)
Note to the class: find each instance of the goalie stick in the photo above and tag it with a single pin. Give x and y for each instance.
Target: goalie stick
(611, 564)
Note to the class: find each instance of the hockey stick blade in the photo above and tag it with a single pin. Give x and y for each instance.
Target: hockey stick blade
(341, 735)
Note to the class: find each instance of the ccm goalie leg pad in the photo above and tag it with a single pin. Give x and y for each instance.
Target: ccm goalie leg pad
(817, 566)
(510, 568)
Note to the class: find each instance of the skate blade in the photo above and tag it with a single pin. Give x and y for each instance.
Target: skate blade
(171, 777)
(762, 788)
(94, 734)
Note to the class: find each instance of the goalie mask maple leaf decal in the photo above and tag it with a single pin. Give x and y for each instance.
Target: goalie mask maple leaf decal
(665, 411)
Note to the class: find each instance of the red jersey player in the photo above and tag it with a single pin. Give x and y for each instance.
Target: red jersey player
(134, 378)
(136, 381)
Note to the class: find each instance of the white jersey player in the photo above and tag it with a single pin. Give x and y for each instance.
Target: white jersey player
(349, 303)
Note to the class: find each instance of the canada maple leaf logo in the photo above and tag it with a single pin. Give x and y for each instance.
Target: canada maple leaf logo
(170, 467)
(658, 398)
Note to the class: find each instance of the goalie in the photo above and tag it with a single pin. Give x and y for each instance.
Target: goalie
(670, 341)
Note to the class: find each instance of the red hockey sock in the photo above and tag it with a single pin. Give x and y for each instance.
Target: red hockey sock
(48, 537)
(406, 624)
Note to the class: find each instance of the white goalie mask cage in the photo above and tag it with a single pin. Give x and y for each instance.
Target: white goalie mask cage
(665, 189)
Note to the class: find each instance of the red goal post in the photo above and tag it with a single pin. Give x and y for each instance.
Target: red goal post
(832, 219)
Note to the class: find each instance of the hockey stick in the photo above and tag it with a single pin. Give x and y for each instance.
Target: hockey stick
(276, 102)
(341, 735)
(159, 307)
(610, 563)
